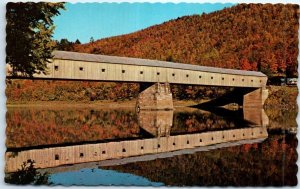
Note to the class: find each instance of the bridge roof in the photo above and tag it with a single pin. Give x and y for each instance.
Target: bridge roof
(65, 55)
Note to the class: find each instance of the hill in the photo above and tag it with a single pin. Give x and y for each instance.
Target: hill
(251, 37)
(261, 37)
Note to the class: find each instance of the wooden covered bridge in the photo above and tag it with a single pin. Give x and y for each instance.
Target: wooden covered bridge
(159, 74)
(75, 154)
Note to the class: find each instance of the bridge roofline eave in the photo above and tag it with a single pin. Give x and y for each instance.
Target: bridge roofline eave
(75, 56)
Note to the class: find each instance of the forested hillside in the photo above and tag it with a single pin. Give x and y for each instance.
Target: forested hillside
(250, 37)
(260, 37)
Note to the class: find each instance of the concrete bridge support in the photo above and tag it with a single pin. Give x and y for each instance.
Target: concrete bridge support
(158, 96)
(245, 97)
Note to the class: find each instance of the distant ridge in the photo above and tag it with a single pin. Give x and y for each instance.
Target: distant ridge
(258, 37)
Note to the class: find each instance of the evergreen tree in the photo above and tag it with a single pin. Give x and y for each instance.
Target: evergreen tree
(64, 45)
(77, 42)
(29, 30)
(92, 40)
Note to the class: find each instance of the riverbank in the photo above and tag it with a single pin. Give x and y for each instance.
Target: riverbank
(114, 95)
(282, 96)
(93, 104)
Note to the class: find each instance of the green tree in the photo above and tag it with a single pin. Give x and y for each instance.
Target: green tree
(65, 45)
(92, 40)
(29, 29)
(28, 174)
(77, 41)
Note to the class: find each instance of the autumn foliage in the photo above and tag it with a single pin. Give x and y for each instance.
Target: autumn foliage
(270, 163)
(261, 37)
(32, 127)
(20, 91)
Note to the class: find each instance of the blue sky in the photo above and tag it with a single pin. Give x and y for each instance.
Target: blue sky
(99, 20)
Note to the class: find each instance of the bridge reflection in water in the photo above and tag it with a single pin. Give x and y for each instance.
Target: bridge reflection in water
(155, 123)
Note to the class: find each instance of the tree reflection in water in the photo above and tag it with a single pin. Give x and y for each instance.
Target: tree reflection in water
(270, 163)
(29, 127)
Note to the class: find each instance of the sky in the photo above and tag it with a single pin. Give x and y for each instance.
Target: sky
(100, 20)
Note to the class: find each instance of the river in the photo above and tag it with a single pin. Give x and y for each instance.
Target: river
(184, 147)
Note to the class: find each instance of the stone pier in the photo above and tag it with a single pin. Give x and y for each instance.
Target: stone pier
(244, 97)
(155, 97)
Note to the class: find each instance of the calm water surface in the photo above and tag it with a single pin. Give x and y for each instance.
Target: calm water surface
(261, 160)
